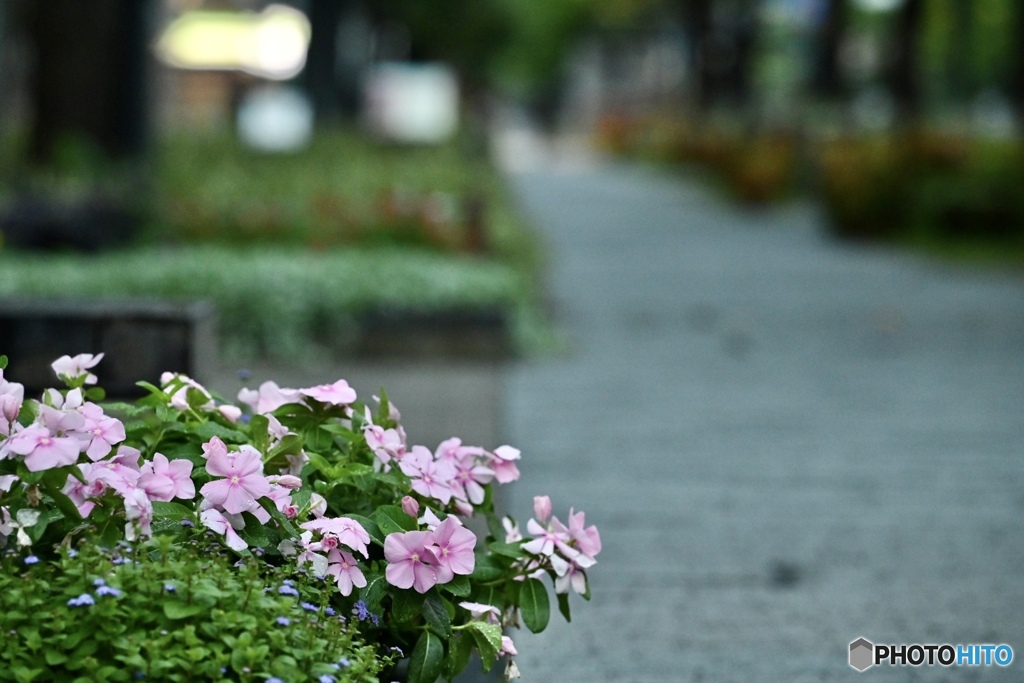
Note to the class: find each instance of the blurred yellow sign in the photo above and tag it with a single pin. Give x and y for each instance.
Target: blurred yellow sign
(271, 44)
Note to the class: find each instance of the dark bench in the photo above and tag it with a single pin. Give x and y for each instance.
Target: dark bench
(141, 339)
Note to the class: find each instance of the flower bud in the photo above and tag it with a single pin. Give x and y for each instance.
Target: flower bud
(410, 506)
(541, 508)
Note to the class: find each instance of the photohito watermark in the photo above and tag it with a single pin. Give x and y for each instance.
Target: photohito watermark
(865, 654)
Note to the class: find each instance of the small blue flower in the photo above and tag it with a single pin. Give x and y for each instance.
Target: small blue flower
(244, 374)
(344, 663)
(99, 582)
(359, 609)
(122, 560)
(31, 559)
(397, 649)
(108, 590)
(274, 679)
(187, 523)
(327, 678)
(329, 611)
(81, 601)
(309, 607)
(169, 587)
(287, 589)
(72, 553)
(283, 621)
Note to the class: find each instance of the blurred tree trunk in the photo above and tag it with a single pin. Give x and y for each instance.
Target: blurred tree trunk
(904, 76)
(1017, 74)
(958, 62)
(696, 19)
(827, 78)
(90, 75)
(332, 79)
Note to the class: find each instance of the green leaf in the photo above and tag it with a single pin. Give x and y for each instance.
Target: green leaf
(458, 586)
(3, 362)
(290, 444)
(154, 391)
(488, 641)
(488, 568)
(512, 550)
(495, 526)
(392, 519)
(563, 606)
(179, 610)
(259, 433)
(534, 605)
(374, 591)
(405, 605)
(460, 647)
(427, 658)
(171, 511)
(95, 394)
(435, 613)
(208, 430)
(283, 522)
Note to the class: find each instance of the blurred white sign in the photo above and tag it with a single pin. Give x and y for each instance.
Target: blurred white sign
(275, 119)
(413, 103)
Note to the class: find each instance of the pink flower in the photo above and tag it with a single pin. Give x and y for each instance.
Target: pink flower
(102, 436)
(507, 647)
(230, 413)
(429, 478)
(165, 480)
(452, 545)
(219, 524)
(138, 510)
(345, 571)
(42, 450)
(70, 369)
(573, 578)
(546, 539)
(346, 530)
(503, 464)
(243, 481)
(337, 394)
(268, 398)
(588, 540)
(80, 493)
(469, 478)
(12, 395)
(10, 407)
(386, 444)
(410, 561)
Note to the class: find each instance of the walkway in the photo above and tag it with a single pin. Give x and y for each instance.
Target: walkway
(786, 443)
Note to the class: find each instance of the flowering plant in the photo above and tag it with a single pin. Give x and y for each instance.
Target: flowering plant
(309, 482)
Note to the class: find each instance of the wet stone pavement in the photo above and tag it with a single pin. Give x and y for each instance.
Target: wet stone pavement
(787, 443)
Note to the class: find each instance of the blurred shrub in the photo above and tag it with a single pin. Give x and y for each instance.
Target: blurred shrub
(762, 169)
(924, 187)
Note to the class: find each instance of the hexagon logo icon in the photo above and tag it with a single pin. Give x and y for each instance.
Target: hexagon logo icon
(862, 654)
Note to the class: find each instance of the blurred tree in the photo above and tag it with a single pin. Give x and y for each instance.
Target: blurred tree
(904, 79)
(90, 75)
(1016, 88)
(827, 70)
(958, 63)
(721, 37)
(468, 34)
